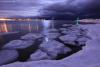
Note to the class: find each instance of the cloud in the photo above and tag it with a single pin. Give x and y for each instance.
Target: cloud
(73, 8)
(56, 8)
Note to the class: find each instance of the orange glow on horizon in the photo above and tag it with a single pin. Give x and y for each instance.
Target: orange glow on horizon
(4, 19)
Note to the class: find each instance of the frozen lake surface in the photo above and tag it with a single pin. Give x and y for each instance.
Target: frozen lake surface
(87, 57)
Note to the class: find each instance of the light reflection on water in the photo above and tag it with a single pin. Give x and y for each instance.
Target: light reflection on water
(25, 27)
(12, 26)
(30, 26)
(8, 29)
(3, 27)
(46, 24)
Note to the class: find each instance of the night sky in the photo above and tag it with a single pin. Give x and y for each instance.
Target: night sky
(50, 8)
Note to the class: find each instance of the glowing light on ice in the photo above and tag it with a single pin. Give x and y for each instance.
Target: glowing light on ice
(46, 39)
(46, 24)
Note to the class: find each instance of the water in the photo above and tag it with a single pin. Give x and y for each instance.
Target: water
(14, 26)
(31, 26)
(24, 27)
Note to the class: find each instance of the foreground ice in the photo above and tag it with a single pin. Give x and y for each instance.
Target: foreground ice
(93, 30)
(82, 40)
(62, 29)
(49, 50)
(88, 57)
(53, 48)
(74, 35)
(7, 56)
(17, 44)
(53, 30)
(39, 55)
(52, 33)
(31, 36)
(68, 39)
(42, 63)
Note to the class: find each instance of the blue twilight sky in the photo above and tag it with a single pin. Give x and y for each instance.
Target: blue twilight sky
(55, 8)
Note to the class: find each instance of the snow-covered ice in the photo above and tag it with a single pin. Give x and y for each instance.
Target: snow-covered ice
(7, 56)
(17, 44)
(88, 57)
(82, 40)
(53, 48)
(42, 63)
(39, 55)
(52, 35)
(68, 39)
(31, 36)
(62, 29)
(93, 30)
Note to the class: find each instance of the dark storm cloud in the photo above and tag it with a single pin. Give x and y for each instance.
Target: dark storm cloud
(73, 8)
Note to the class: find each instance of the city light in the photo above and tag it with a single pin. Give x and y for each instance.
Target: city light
(16, 19)
(5, 19)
